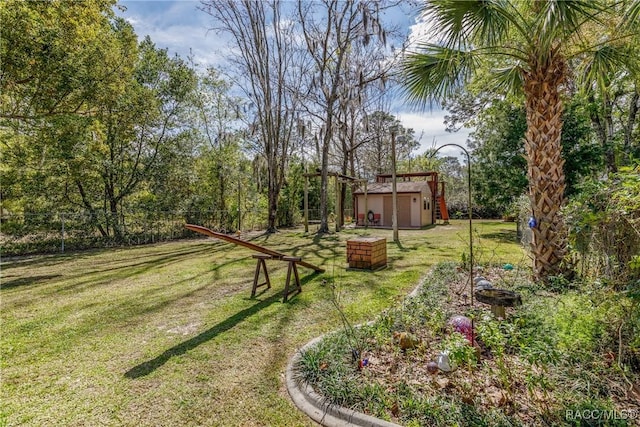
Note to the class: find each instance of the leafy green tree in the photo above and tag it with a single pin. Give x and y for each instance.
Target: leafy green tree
(613, 110)
(137, 130)
(499, 170)
(530, 44)
(56, 57)
(605, 224)
(292, 194)
(583, 154)
(96, 158)
(73, 59)
(218, 119)
(498, 152)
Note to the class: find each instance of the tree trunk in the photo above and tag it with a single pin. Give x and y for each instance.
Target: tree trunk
(324, 182)
(344, 171)
(545, 165)
(394, 193)
(602, 121)
(115, 220)
(92, 212)
(274, 192)
(222, 207)
(634, 106)
(609, 149)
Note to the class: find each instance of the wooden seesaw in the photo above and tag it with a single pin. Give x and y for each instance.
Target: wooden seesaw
(265, 254)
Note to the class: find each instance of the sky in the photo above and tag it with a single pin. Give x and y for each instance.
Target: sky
(180, 27)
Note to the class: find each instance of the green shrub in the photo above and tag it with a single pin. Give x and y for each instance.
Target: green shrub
(461, 353)
(604, 227)
(579, 325)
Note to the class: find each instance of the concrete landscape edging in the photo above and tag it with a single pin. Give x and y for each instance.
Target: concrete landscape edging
(316, 406)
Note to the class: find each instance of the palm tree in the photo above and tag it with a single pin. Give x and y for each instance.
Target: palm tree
(533, 46)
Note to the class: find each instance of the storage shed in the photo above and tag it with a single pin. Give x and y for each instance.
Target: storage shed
(415, 204)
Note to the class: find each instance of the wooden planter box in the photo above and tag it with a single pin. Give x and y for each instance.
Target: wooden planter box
(367, 253)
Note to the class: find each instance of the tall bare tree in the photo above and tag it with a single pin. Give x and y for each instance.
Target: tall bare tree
(365, 90)
(331, 30)
(265, 62)
(218, 116)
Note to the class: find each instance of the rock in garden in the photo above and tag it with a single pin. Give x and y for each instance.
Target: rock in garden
(405, 340)
(483, 284)
(477, 279)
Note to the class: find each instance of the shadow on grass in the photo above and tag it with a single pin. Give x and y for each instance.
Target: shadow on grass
(162, 259)
(149, 366)
(43, 261)
(510, 236)
(112, 271)
(403, 248)
(26, 281)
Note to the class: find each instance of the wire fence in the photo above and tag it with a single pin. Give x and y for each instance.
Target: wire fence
(56, 232)
(23, 234)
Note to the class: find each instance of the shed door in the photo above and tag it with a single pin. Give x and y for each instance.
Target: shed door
(387, 211)
(404, 211)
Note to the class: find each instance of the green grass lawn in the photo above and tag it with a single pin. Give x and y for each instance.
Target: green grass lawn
(168, 335)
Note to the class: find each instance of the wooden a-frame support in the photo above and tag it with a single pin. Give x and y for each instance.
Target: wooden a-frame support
(264, 254)
(260, 266)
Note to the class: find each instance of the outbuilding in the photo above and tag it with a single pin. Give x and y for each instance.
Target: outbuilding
(375, 208)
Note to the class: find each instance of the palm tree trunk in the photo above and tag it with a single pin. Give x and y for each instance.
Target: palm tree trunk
(544, 108)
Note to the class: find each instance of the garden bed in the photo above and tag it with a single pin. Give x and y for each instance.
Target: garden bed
(551, 361)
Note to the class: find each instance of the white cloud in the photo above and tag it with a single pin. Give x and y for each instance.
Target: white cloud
(421, 31)
(430, 128)
(178, 26)
(132, 21)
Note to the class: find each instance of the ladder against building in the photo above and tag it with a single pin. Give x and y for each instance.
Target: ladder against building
(441, 205)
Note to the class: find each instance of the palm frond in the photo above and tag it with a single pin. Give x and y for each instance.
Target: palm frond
(558, 19)
(508, 79)
(435, 72)
(604, 63)
(631, 18)
(458, 22)
(489, 21)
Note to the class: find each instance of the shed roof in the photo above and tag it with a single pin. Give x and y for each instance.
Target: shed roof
(401, 187)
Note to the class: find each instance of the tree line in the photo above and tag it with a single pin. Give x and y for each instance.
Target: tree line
(94, 120)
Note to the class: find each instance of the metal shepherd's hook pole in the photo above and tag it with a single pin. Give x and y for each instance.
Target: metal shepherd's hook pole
(470, 210)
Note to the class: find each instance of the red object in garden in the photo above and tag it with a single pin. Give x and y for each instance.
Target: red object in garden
(463, 325)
